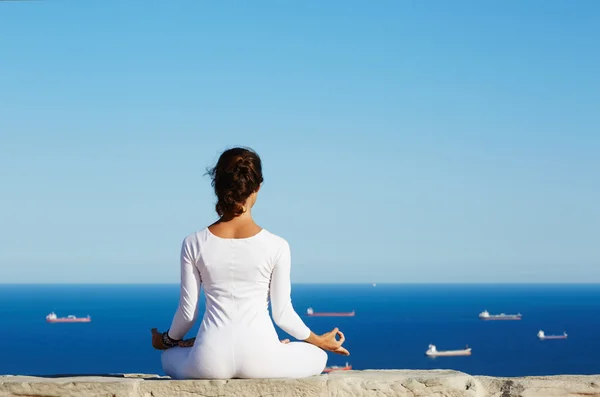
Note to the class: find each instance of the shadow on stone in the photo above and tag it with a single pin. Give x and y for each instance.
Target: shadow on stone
(124, 376)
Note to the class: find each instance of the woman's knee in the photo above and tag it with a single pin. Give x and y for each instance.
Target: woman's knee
(322, 357)
(173, 359)
(319, 359)
(167, 363)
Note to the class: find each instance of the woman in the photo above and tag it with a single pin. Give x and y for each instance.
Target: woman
(242, 266)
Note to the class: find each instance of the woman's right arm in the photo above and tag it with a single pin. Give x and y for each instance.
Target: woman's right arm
(282, 310)
(284, 314)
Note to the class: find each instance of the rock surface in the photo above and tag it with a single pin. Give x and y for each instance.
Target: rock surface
(338, 384)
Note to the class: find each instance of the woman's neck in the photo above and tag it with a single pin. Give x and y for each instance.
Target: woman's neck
(229, 226)
(232, 219)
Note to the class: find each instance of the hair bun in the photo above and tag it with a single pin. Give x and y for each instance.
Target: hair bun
(237, 174)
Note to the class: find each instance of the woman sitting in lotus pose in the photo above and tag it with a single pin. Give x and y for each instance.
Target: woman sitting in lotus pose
(242, 266)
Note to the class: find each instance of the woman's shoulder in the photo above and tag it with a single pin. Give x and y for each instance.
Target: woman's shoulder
(276, 240)
(196, 237)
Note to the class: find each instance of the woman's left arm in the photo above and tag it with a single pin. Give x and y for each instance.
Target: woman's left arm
(187, 312)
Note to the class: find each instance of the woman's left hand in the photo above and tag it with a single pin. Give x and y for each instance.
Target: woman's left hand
(157, 340)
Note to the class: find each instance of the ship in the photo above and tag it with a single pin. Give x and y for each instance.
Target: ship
(434, 352)
(333, 368)
(485, 315)
(312, 313)
(53, 318)
(542, 336)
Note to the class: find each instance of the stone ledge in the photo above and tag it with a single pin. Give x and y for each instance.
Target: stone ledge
(378, 383)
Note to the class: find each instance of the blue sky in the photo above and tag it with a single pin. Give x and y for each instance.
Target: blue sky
(403, 141)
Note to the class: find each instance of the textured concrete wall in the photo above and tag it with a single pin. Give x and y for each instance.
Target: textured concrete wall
(349, 383)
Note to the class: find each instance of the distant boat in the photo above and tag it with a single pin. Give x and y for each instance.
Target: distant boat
(485, 315)
(542, 336)
(333, 368)
(53, 318)
(312, 313)
(374, 285)
(434, 352)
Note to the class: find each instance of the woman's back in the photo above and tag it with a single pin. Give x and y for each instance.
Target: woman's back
(236, 275)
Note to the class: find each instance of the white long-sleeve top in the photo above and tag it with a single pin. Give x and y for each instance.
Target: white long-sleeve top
(239, 276)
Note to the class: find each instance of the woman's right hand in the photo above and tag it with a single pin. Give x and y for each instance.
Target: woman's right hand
(329, 342)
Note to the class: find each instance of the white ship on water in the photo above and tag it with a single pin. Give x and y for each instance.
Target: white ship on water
(53, 318)
(434, 352)
(542, 336)
(485, 315)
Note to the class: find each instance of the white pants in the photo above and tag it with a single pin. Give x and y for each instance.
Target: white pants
(292, 360)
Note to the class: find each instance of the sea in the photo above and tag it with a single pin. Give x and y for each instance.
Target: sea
(392, 328)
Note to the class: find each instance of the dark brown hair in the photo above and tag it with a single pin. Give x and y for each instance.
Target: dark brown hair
(236, 176)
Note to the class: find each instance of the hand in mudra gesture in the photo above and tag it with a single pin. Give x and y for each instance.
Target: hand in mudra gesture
(329, 342)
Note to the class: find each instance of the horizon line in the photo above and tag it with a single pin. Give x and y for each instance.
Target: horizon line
(332, 283)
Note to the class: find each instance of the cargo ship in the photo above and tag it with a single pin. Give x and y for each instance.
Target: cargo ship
(312, 313)
(53, 318)
(434, 352)
(543, 336)
(485, 315)
(333, 368)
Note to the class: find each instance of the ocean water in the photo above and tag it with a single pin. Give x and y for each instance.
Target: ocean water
(393, 326)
